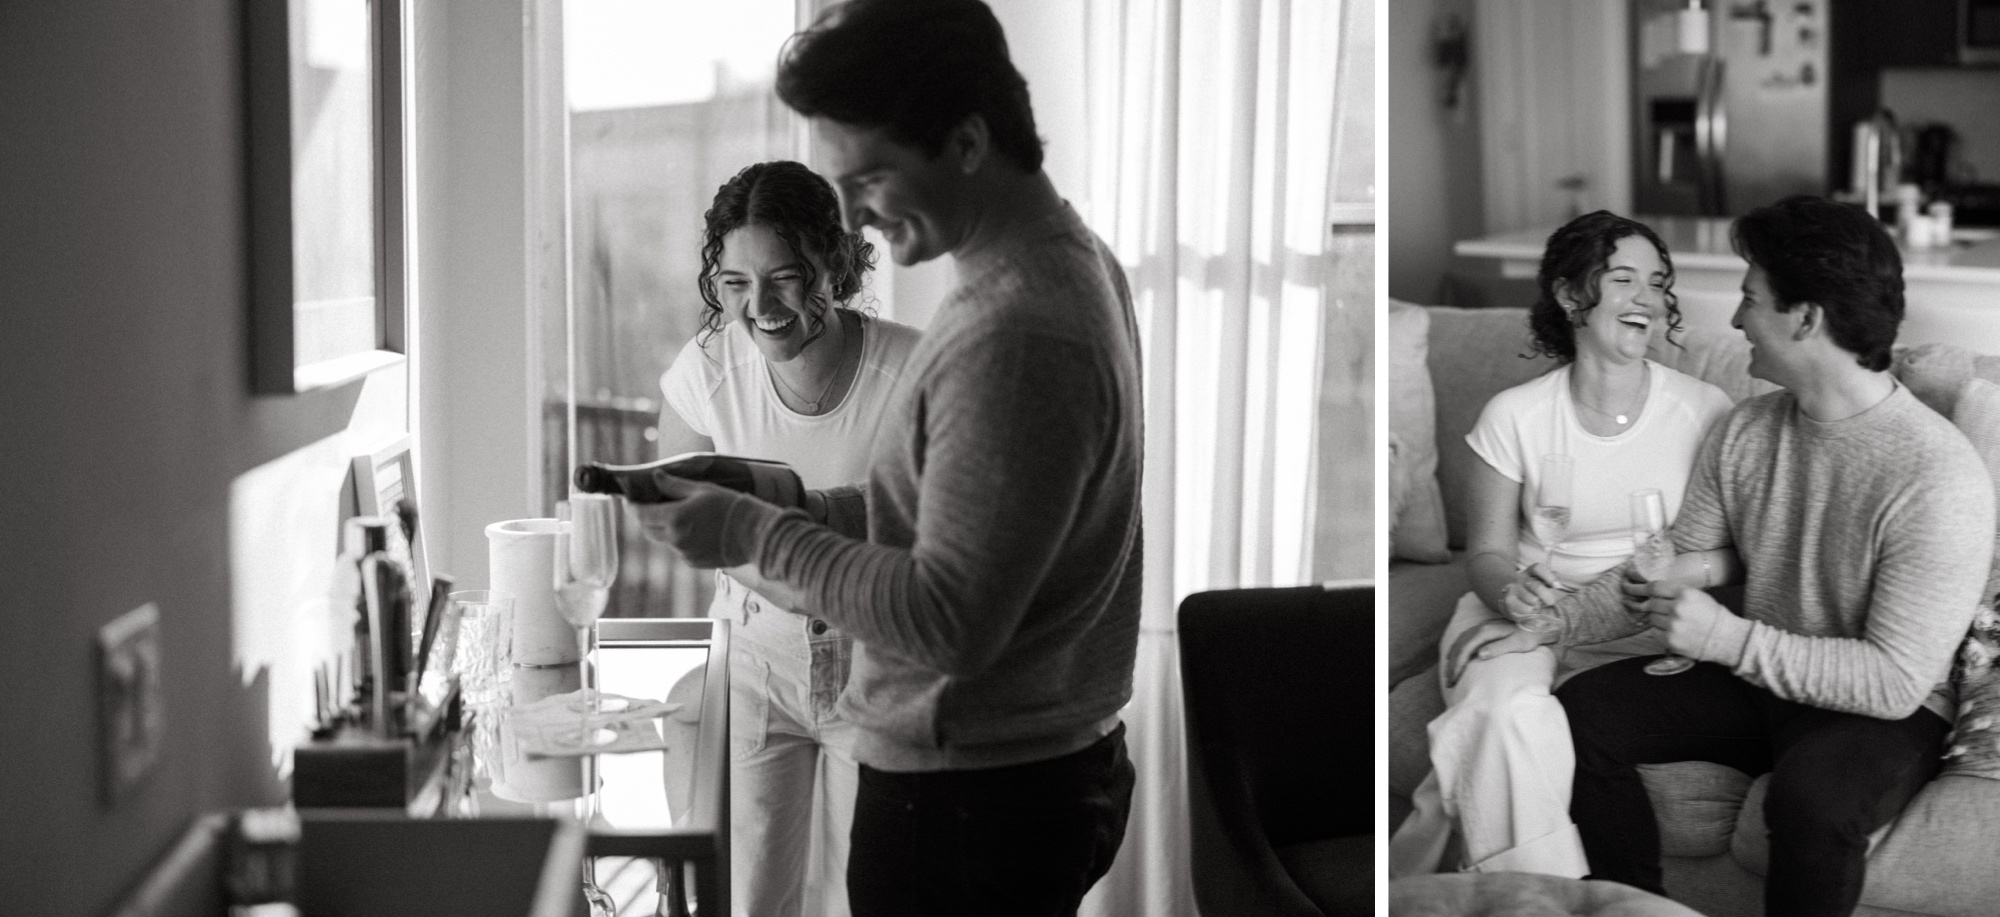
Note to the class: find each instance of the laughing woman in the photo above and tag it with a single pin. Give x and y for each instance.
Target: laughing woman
(783, 369)
(1500, 753)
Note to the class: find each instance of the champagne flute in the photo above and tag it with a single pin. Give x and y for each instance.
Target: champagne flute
(586, 563)
(1653, 556)
(1550, 522)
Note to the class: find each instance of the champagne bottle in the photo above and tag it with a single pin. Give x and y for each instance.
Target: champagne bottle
(772, 482)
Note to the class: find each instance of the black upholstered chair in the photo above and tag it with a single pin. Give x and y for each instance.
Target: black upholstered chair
(1279, 687)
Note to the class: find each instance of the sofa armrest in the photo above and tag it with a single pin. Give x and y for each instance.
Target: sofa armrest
(1421, 600)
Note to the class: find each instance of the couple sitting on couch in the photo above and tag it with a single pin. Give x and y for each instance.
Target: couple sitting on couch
(1859, 522)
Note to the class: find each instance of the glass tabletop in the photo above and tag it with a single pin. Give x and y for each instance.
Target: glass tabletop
(666, 803)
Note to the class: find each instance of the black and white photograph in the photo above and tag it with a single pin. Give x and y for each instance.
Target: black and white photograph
(1691, 323)
(763, 458)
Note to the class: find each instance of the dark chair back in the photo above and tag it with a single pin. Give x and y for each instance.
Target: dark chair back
(1280, 695)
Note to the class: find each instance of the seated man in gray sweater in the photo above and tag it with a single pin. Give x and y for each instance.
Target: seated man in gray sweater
(994, 592)
(1861, 525)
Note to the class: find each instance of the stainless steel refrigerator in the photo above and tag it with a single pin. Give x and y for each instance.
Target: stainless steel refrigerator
(1730, 103)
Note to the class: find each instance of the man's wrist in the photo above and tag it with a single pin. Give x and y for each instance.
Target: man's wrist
(743, 528)
(1727, 640)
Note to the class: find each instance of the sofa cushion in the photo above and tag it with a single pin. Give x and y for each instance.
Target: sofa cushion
(1697, 804)
(1937, 373)
(1412, 706)
(1474, 355)
(1421, 600)
(1942, 855)
(1719, 358)
(1416, 510)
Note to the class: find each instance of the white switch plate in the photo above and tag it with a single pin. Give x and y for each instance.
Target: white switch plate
(131, 725)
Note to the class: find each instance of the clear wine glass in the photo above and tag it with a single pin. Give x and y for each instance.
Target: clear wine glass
(1653, 556)
(586, 563)
(1550, 522)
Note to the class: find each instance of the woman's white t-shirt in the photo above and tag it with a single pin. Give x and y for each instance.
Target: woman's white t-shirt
(1539, 417)
(725, 392)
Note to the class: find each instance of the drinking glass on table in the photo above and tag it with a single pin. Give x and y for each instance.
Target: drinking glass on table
(586, 563)
(1550, 522)
(1653, 556)
(479, 647)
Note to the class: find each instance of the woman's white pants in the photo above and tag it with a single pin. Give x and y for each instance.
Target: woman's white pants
(1501, 766)
(792, 775)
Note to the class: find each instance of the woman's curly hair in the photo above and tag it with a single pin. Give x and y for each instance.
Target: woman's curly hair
(800, 207)
(1576, 256)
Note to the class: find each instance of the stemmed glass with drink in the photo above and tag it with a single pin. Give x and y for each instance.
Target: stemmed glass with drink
(1653, 556)
(1550, 522)
(586, 563)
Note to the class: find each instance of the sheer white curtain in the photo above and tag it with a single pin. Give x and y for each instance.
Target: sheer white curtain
(1215, 131)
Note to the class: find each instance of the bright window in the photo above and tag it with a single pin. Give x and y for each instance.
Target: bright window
(667, 100)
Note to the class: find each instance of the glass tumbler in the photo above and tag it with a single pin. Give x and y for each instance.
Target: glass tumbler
(484, 657)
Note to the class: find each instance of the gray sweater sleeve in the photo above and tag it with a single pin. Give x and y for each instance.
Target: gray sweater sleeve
(1929, 563)
(1012, 431)
(1596, 612)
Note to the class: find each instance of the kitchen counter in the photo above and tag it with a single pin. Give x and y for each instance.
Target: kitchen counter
(1952, 294)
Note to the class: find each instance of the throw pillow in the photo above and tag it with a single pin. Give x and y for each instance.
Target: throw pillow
(1417, 527)
(1935, 373)
(1974, 747)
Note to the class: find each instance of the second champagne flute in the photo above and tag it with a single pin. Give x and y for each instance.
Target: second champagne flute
(1550, 522)
(586, 563)
(1653, 556)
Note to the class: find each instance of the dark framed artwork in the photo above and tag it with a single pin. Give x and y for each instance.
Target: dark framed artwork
(324, 92)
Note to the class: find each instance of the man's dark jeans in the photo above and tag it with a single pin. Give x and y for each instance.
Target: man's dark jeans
(1835, 777)
(1024, 840)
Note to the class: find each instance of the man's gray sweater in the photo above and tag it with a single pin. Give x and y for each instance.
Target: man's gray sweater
(1865, 544)
(995, 603)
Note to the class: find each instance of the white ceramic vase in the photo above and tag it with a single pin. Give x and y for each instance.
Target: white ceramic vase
(521, 563)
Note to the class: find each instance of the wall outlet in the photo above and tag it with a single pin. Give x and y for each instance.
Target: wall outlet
(131, 725)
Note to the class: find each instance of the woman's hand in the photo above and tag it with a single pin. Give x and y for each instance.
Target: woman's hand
(1485, 640)
(1534, 590)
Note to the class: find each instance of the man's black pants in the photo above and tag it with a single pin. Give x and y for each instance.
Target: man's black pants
(1028, 839)
(1835, 777)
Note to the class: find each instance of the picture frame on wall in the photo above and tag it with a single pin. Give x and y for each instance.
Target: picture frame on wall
(383, 477)
(325, 96)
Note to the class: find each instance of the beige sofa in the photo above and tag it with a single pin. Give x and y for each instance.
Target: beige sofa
(1942, 856)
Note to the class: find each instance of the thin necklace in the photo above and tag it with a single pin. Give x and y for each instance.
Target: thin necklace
(1621, 418)
(812, 404)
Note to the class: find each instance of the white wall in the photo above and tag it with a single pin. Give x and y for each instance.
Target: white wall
(134, 453)
(479, 438)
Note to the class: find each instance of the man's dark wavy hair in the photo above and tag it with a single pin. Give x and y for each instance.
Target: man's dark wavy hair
(1576, 256)
(914, 68)
(1833, 255)
(801, 208)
